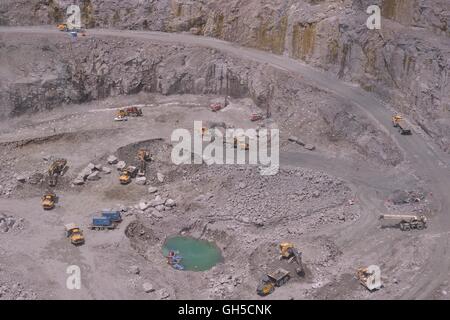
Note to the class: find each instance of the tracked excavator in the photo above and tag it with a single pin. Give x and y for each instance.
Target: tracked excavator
(288, 251)
(56, 169)
(143, 156)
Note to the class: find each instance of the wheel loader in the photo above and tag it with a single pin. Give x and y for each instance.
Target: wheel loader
(272, 280)
(48, 201)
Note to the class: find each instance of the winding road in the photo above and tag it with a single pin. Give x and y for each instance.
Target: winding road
(422, 155)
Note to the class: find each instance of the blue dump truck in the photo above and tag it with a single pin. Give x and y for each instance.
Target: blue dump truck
(108, 220)
(115, 216)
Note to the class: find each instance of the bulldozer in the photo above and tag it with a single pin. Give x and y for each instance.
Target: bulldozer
(369, 277)
(48, 201)
(271, 280)
(398, 122)
(74, 233)
(288, 251)
(406, 222)
(56, 169)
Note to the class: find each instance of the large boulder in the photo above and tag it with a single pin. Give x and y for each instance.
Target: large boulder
(121, 165)
(112, 159)
(94, 176)
(141, 181)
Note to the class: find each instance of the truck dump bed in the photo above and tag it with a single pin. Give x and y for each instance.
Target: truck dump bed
(114, 216)
(278, 275)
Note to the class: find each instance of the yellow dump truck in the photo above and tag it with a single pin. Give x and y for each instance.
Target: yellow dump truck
(399, 122)
(74, 233)
(369, 277)
(48, 201)
(272, 280)
(125, 177)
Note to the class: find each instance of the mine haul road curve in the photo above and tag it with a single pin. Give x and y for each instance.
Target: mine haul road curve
(424, 157)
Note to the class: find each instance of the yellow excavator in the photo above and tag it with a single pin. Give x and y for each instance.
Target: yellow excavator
(56, 169)
(143, 155)
(48, 201)
(290, 252)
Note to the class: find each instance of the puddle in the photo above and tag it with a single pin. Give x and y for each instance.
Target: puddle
(196, 255)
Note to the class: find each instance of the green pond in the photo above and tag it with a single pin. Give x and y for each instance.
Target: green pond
(197, 255)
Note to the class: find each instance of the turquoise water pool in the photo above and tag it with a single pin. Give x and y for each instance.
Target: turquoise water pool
(198, 255)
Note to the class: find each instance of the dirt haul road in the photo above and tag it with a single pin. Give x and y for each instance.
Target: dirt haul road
(421, 155)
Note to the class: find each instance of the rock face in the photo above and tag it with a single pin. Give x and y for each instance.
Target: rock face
(112, 159)
(406, 61)
(141, 181)
(9, 223)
